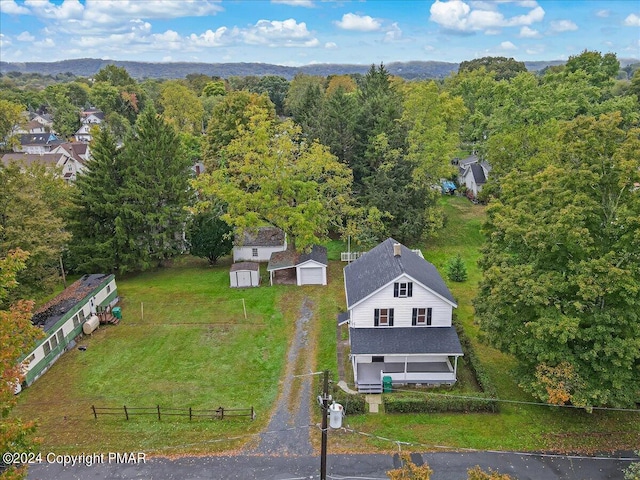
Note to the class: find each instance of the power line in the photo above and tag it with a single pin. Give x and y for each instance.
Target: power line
(520, 402)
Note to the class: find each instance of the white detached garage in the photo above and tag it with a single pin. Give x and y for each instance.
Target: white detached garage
(245, 274)
(308, 268)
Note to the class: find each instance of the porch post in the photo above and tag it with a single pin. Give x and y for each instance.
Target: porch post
(271, 278)
(455, 367)
(405, 368)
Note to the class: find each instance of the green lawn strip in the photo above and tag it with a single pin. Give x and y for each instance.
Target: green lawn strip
(175, 356)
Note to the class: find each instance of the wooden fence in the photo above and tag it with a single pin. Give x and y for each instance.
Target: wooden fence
(220, 413)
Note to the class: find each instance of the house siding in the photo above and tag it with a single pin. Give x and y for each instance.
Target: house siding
(244, 254)
(362, 315)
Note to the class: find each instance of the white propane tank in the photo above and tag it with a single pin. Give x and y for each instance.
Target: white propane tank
(90, 325)
(336, 412)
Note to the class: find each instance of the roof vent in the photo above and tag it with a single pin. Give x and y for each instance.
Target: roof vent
(396, 249)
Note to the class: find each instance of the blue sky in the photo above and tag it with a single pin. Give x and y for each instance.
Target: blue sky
(301, 32)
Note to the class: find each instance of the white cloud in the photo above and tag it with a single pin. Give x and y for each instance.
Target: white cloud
(393, 34)
(457, 15)
(632, 20)
(330, 45)
(351, 21)
(508, 46)
(295, 3)
(603, 13)
(288, 33)
(26, 37)
(220, 37)
(68, 9)
(10, 7)
(558, 26)
(4, 40)
(526, 32)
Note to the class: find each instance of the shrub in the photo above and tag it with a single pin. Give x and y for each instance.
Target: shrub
(433, 403)
(456, 269)
(352, 404)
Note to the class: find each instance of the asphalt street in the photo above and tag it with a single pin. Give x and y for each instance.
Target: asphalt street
(446, 466)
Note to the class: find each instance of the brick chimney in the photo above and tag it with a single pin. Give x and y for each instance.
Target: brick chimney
(397, 250)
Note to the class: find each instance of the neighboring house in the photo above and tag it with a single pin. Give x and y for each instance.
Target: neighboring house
(399, 316)
(54, 161)
(258, 245)
(44, 119)
(244, 274)
(62, 320)
(305, 268)
(89, 118)
(37, 143)
(473, 174)
(76, 156)
(30, 127)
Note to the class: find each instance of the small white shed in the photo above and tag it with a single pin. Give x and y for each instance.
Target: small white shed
(245, 274)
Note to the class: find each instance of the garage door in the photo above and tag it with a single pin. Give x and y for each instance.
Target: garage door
(311, 276)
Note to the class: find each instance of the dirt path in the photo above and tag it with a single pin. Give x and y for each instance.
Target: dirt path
(288, 430)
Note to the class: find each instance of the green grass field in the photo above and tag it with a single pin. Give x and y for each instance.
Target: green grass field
(185, 341)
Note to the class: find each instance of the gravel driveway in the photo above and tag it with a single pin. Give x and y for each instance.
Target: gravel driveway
(287, 432)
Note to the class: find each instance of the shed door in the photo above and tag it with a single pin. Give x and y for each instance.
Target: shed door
(244, 278)
(311, 276)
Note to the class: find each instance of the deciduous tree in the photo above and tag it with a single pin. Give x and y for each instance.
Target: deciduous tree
(562, 268)
(271, 174)
(17, 337)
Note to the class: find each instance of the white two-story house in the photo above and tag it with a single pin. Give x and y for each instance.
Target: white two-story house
(399, 313)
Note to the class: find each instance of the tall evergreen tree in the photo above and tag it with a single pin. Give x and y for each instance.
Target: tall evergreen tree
(96, 206)
(155, 190)
(130, 204)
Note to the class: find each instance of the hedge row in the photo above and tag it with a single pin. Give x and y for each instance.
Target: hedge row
(432, 403)
(352, 404)
(474, 363)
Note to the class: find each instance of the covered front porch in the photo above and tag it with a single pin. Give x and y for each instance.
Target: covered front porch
(426, 355)
(402, 371)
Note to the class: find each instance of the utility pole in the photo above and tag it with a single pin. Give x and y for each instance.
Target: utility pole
(325, 407)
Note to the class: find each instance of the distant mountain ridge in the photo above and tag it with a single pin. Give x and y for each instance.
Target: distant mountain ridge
(87, 67)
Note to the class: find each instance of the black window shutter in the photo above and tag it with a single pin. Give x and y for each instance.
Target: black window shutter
(395, 289)
(410, 289)
(391, 317)
(428, 316)
(414, 318)
(376, 317)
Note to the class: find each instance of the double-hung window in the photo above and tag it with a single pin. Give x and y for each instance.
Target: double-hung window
(403, 289)
(383, 317)
(421, 316)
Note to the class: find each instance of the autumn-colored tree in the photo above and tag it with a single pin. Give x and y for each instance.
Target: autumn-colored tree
(17, 337)
(10, 117)
(181, 107)
(409, 470)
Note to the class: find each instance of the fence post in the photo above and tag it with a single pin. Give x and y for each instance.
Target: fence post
(126, 414)
(158, 412)
(189, 413)
(253, 413)
(95, 415)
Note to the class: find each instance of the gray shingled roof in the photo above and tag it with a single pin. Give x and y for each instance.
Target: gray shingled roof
(289, 259)
(245, 266)
(262, 237)
(478, 173)
(405, 341)
(318, 254)
(379, 267)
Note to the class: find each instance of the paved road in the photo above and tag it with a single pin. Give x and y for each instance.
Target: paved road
(446, 466)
